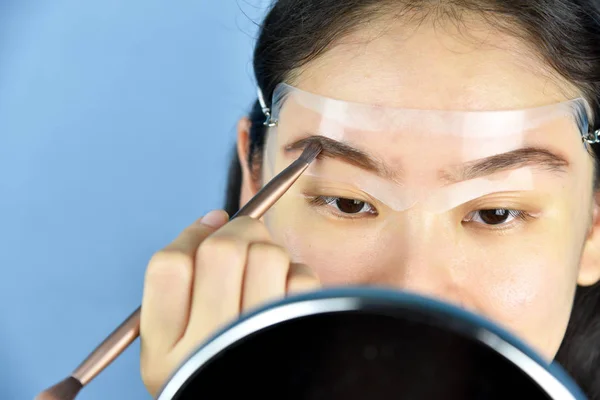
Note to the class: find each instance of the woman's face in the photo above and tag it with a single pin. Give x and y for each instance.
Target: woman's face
(520, 272)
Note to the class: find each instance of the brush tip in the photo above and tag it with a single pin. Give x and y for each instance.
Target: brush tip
(311, 152)
(66, 389)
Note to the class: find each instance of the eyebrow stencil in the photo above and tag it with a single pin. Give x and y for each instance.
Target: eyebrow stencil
(433, 159)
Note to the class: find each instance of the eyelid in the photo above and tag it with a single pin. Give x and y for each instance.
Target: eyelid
(335, 189)
(529, 201)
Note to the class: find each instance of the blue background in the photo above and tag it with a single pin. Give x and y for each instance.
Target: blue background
(116, 122)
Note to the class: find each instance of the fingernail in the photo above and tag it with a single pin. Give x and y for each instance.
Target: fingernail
(215, 219)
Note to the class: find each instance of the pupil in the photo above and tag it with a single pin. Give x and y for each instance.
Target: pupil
(349, 206)
(494, 217)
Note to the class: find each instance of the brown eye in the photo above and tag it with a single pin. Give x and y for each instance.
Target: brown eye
(350, 206)
(341, 206)
(494, 217)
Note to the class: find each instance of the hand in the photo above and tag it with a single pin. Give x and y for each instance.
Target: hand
(202, 281)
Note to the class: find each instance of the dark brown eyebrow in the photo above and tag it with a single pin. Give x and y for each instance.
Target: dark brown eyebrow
(344, 152)
(528, 156)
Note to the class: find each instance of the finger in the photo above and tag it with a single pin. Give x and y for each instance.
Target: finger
(265, 276)
(218, 276)
(246, 229)
(190, 238)
(301, 279)
(168, 283)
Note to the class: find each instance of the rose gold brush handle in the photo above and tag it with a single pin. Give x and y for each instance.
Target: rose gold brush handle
(110, 349)
(129, 330)
(272, 191)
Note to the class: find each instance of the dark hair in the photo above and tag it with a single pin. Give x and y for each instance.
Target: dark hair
(566, 34)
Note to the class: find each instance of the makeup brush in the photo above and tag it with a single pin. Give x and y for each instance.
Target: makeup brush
(129, 330)
(276, 187)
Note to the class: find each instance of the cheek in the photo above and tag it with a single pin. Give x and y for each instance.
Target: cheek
(529, 291)
(514, 285)
(336, 261)
(336, 258)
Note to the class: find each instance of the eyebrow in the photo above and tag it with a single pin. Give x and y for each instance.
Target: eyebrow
(351, 155)
(538, 157)
(527, 156)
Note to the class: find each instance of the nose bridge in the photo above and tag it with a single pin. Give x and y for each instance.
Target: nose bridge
(423, 256)
(421, 235)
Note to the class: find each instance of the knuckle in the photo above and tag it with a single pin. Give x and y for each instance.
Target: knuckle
(270, 252)
(217, 246)
(169, 264)
(253, 226)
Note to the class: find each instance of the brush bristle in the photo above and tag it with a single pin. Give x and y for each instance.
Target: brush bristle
(311, 152)
(63, 390)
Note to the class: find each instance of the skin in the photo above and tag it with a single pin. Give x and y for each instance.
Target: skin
(213, 272)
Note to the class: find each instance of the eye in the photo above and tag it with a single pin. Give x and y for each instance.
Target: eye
(495, 216)
(344, 206)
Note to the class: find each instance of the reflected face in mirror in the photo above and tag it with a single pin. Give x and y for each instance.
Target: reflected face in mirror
(512, 254)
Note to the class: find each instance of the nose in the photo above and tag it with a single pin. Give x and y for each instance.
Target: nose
(427, 258)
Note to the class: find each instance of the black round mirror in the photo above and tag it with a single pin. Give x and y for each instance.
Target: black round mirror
(360, 343)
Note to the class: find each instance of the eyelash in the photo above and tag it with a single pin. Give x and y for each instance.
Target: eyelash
(330, 202)
(516, 215)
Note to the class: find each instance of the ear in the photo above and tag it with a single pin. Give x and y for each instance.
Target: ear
(589, 270)
(248, 189)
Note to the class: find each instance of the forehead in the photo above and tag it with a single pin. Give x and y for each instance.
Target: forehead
(429, 66)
